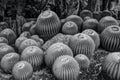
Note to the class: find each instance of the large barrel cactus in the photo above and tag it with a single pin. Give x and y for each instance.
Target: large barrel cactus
(77, 19)
(56, 50)
(70, 28)
(33, 55)
(94, 35)
(105, 22)
(82, 44)
(22, 71)
(110, 38)
(66, 68)
(48, 24)
(8, 61)
(111, 65)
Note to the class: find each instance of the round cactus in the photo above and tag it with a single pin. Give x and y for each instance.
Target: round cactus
(83, 61)
(70, 28)
(82, 44)
(26, 43)
(94, 35)
(85, 13)
(111, 65)
(48, 24)
(66, 68)
(105, 22)
(8, 61)
(110, 38)
(3, 25)
(5, 49)
(90, 24)
(37, 39)
(3, 40)
(25, 34)
(19, 40)
(33, 55)
(9, 34)
(22, 71)
(56, 50)
(27, 26)
(106, 13)
(76, 19)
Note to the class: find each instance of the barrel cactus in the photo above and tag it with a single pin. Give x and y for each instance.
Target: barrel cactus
(83, 61)
(5, 49)
(70, 28)
(56, 50)
(90, 24)
(66, 68)
(26, 43)
(106, 13)
(110, 65)
(48, 24)
(85, 13)
(94, 35)
(8, 61)
(9, 34)
(33, 55)
(82, 44)
(22, 71)
(77, 19)
(3, 25)
(105, 22)
(25, 34)
(110, 38)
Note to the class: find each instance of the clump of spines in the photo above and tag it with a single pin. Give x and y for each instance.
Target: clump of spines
(66, 68)
(82, 44)
(26, 43)
(94, 35)
(56, 50)
(110, 38)
(83, 61)
(33, 55)
(22, 70)
(105, 22)
(9, 34)
(48, 24)
(111, 65)
(76, 19)
(70, 28)
(8, 61)
(90, 24)
(85, 13)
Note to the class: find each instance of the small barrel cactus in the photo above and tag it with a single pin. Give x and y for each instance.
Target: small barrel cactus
(33, 55)
(94, 35)
(8, 61)
(26, 43)
(5, 49)
(106, 13)
(48, 24)
(105, 22)
(70, 28)
(3, 40)
(85, 13)
(111, 65)
(110, 38)
(25, 34)
(3, 25)
(27, 26)
(56, 50)
(83, 61)
(82, 44)
(9, 34)
(66, 68)
(22, 71)
(76, 19)
(19, 40)
(90, 24)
